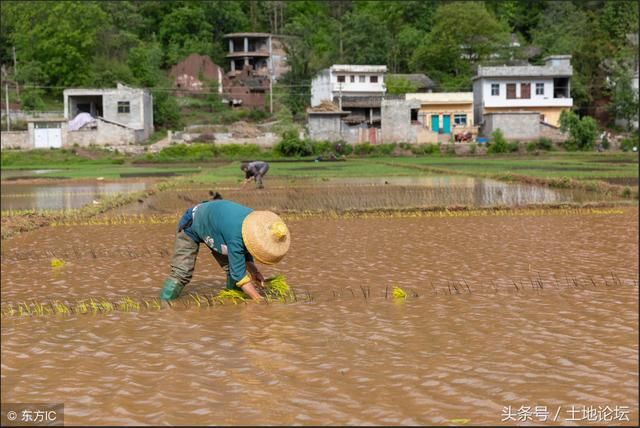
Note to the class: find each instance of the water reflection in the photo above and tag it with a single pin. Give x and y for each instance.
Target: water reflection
(59, 196)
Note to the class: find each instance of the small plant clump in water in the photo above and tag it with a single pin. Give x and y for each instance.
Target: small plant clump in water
(57, 263)
(277, 287)
(398, 293)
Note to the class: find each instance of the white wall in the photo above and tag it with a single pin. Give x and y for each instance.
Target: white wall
(501, 100)
(357, 86)
(320, 88)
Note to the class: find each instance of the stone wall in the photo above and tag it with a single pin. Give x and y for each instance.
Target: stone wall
(396, 121)
(521, 126)
(15, 140)
(104, 134)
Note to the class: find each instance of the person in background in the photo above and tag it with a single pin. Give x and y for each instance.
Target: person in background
(254, 171)
(237, 236)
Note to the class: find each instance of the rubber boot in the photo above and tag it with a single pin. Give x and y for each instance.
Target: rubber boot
(170, 289)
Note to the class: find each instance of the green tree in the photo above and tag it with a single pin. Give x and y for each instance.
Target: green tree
(166, 112)
(61, 36)
(398, 85)
(582, 131)
(185, 31)
(624, 98)
(464, 33)
(144, 62)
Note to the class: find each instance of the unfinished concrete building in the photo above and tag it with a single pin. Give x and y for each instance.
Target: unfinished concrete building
(263, 52)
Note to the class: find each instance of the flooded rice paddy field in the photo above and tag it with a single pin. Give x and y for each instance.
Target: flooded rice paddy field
(45, 195)
(448, 353)
(291, 195)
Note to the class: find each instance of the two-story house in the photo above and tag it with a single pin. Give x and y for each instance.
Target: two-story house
(356, 88)
(545, 89)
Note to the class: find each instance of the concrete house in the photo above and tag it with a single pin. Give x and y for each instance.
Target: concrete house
(356, 90)
(263, 52)
(121, 115)
(428, 117)
(523, 92)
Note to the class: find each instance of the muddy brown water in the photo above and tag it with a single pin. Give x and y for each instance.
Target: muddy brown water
(339, 359)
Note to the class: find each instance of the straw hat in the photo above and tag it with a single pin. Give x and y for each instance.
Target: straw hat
(266, 236)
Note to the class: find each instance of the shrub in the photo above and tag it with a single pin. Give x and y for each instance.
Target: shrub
(346, 148)
(472, 149)
(450, 149)
(531, 147)
(605, 143)
(582, 131)
(544, 144)
(498, 143)
(513, 147)
(385, 149)
(258, 115)
(321, 147)
(363, 149)
(425, 149)
(291, 145)
(629, 143)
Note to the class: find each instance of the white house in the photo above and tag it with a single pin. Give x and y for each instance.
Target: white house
(542, 89)
(123, 106)
(356, 88)
(348, 81)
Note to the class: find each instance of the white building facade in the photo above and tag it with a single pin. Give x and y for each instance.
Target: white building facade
(347, 81)
(544, 89)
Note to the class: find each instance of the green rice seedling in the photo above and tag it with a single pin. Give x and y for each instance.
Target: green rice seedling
(57, 263)
(278, 288)
(232, 295)
(398, 293)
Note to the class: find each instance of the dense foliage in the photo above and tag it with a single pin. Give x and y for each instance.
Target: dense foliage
(72, 43)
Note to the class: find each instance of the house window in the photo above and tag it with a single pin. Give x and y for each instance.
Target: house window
(525, 90)
(460, 119)
(414, 115)
(124, 107)
(373, 79)
(511, 91)
(361, 79)
(495, 89)
(539, 88)
(352, 79)
(341, 79)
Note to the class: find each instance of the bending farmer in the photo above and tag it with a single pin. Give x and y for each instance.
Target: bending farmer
(254, 171)
(236, 236)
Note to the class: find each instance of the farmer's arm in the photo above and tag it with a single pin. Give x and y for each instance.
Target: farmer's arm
(256, 275)
(238, 271)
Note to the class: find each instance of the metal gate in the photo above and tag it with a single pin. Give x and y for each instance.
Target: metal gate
(47, 135)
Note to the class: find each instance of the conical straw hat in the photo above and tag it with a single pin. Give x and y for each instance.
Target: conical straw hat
(266, 236)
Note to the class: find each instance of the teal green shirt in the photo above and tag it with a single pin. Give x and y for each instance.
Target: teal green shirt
(218, 224)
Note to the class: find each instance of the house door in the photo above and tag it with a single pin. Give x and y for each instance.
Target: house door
(435, 123)
(46, 135)
(446, 124)
(511, 91)
(525, 90)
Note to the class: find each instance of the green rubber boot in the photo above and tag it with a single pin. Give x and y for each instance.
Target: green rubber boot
(170, 289)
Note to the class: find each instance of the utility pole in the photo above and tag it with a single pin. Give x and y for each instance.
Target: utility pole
(15, 71)
(270, 76)
(6, 97)
(340, 96)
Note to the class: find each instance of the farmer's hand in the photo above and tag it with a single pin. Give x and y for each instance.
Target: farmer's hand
(256, 275)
